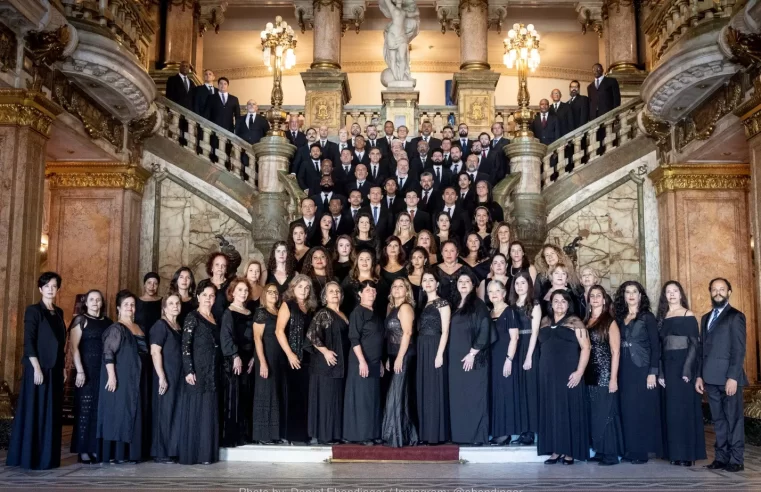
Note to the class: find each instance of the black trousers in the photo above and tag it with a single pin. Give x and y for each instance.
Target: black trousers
(728, 423)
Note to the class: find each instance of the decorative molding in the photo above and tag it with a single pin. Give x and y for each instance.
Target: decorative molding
(745, 48)
(96, 175)
(45, 48)
(700, 177)
(657, 129)
(8, 49)
(27, 108)
(752, 123)
(352, 12)
(210, 14)
(590, 16)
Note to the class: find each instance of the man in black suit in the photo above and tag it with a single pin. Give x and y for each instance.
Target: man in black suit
(427, 137)
(329, 149)
(201, 93)
(325, 195)
(579, 106)
(487, 161)
(545, 126)
(179, 87)
(447, 132)
(388, 133)
(430, 198)
(343, 141)
(604, 93)
(355, 131)
(457, 214)
(343, 172)
(442, 177)
(457, 165)
(252, 126)
(420, 160)
(408, 146)
(310, 172)
(421, 220)
(405, 181)
(309, 220)
(361, 155)
(392, 200)
(302, 153)
(294, 135)
(373, 142)
(462, 139)
(378, 170)
(721, 375)
(355, 205)
(498, 142)
(381, 216)
(473, 170)
(360, 182)
(342, 220)
(446, 150)
(562, 112)
(223, 109)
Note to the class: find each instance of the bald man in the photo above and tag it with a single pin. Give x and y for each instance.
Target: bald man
(252, 127)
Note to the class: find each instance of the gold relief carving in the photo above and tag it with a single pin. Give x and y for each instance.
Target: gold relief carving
(745, 48)
(27, 108)
(210, 14)
(701, 177)
(659, 130)
(752, 124)
(45, 48)
(479, 110)
(8, 49)
(323, 108)
(96, 175)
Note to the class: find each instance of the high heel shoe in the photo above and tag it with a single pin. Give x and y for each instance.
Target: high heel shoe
(568, 462)
(553, 461)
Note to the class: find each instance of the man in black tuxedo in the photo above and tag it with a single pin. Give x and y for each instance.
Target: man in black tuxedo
(223, 109)
(473, 170)
(442, 177)
(294, 135)
(355, 205)
(457, 214)
(420, 160)
(343, 141)
(446, 150)
(465, 143)
(427, 137)
(343, 172)
(310, 172)
(457, 165)
(342, 221)
(309, 220)
(421, 220)
(562, 112)
(430, 198)
(721, 375)
(579, 106)
(408, 146)
(360, 182)
(325, 195)
(392, 200)
(201, 93)
(498, 143)
(381, 216)
(373, 142)
(604, 93)
(388, 133)
(405, 181)
(302, 153)
(378, 170)
(252, 126)
(355, 131)
(329, 149)
(487, 161)
(465, 190)
(179, 87)
(545, 126)
(361, 155)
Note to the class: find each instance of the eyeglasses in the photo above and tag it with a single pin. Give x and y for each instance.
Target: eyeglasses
(272, 292)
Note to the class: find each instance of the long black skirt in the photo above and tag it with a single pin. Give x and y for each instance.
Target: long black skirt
(325, 408)
(684, 417)
(432, 387)
(528, 385)
(84, 437)
(36, 436)
(139, 446)
(469, 404)
(297, 399)
(398, 421)
(269, 420)
(237, 405)
(504, 409)
(199, 440)
(362, 407)
(166, 422)
(640, 412)
(605, 423)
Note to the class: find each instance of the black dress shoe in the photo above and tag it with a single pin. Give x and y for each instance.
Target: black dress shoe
(163, 460)
(716, 465)
(734, 467)
(551, 461)
(686, 463)
(639, 462)
(570, 462)
(607, 463)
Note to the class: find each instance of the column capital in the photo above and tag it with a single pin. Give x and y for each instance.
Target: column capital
(590, 15)
(693, 176)
(448, 13)
(96, 175)
(23, 107)
(210, 14)
(352, 12)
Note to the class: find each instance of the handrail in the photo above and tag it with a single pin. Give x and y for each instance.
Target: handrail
(590, 142)
(208, 141)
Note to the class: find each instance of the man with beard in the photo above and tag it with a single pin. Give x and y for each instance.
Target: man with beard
(456, 156)
(604, 93)
(302, 154)
(326, 194)
(442, 177)
(310, 173)
(430, 198)
(427, 136)
(487, 158)
(462, 135)
(473, 170)
(498, 142)
(447, 132)
(579, 106)
(419, 160)
(721, 375)
(355, 131)
(388, 132)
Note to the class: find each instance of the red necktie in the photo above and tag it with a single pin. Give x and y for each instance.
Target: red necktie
(412, 215)
(483, 154)
(544, 121)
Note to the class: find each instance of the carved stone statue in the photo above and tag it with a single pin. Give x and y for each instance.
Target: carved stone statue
(403, 28)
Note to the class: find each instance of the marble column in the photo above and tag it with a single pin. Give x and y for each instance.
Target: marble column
(620, 36)
(177, 40)
(474, 25)
(529, 215)
(327, 35)
(697, 202)
(752, 123)
(25, 121)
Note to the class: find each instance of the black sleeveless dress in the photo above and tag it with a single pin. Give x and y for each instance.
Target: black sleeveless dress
(269, 393)
(236, 339)
(432, 384)
(166, 407)
(398, 421)
(504, 411)
(528, 380)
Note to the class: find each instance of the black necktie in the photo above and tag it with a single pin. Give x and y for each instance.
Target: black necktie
(372, 143)
(438, 173)
(390, 201)
(354, 214)
(325, 201)
(347, 168)
(375, 172)
(187, 84)
(250, 120)
(425, 197)
(401, 183)
(294, 136)
(317, 166)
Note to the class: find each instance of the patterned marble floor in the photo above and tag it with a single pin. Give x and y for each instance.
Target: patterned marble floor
(351, 477)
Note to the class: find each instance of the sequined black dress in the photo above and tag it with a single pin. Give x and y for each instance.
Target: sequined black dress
(604, 415)
(270, 392)
(432, 383)
(237, 339)
(398, 421)
(297, 380)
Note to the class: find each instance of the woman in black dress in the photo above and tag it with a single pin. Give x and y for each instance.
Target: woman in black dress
(318, 266)
(529, 316)
(216, 269)
(640, 361)
(518, 262)
(148, 307)
(545, 262)
(328, 342)
(363, 269)
(237, 340)
(123, 403)
(448, 271)
(364, 235)
(325, 235)
(484, 198)
(443, 233)
(362, 417)
(183, 283)
(36, 436)
(255, 274)
(497, 271)
(416, 267)
(298, 245)
(475, 256)
(398, 421)
(563, 428)
(280, 266)
(342, 257)
(504, 404)
(684, 417)
(601, 378)
(559, 280)
(482, 225)
(469, 338)
(405, 231)
(588, 278)
(425, 240)
(293, 318)
(202, 366)
(166, 352)
(391, 267)
(86, 334)
(500, 239)
(269, 388)
(432, 375)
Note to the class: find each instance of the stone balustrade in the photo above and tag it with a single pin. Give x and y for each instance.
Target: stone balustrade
(363, 115)
(221, 148)
(590, 142)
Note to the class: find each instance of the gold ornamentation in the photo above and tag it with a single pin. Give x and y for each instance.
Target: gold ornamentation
(700, 177)
(753, 406)
(27, 108)
(45, 48)
(478, 110)
(322, 110)
(8, 49)
(752, 124)
(96, 175)
(745, 48)
(210, 14)
(293, 192)
(142, 128)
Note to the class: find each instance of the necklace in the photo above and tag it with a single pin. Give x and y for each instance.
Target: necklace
(512, 274)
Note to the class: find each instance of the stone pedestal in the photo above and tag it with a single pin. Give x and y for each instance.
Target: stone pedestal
(401, 107)
(473, 92)
(703, 220)
(529, 215)
(25, 120)
(327, 91)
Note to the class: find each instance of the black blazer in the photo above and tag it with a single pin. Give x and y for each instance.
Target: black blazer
(410, 148)
(563, 114)
(176, 92)
(313, 237)
(341, 178)
(446, 176)
(385, 227)
(383, 173)
(345, 224)
(301, 155)
(224, 115)
(365, 157)
(579, 111)
(466, 149)
(421, 221)
(317, 198)
(308, 177)
(460, 223)
(364, 189)
(381, 144)
(40, 338)
(432, 205)
(604, 99)
(548, 134)
(501, 162)
(299, 140)
(433, 143)
(259, 128)
(330, 151)
(461, 165)
(722, 349)
(201, 94)
(410, 183)
(397, 207)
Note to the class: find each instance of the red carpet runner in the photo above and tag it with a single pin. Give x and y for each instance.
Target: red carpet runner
(420, 454)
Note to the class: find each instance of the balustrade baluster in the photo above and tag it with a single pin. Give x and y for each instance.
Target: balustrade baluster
(624, 128)
(173, 125)
(610, 136)
(546, 170)
(578, 151)
(221, 152)
(190, 135)
(592, 143)
(236, 166)
(205, 143)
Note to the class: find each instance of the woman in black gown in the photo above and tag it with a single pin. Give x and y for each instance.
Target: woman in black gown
(281, 266)
(318, 266)
(564, 346)
(482, 225)
(640, 361)
(36, 436)
(685, 436)
(293, 318)
(269, 371)
(504, 406)
(237, 340)
(324, 236)
(398, 421)
(327, 339)
(469, 338)
(448, 271)
(363, 269)
(202, 366)
(362, 417)
(405, 231)
(475, 256)
(518, 262)
(342, 257)
(298, 245)
(216, 269)
(391, 267)
(86, 334)
(529, 316)
(148, 306)
(166, 352)
(432, 375)
(123, 404)
(254, 275)
(364, 235)
(183, 283)
(500, 239)
(601, 379)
